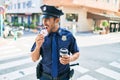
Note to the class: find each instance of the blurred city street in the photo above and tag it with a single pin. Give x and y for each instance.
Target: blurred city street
(99, 59)
(94, 23)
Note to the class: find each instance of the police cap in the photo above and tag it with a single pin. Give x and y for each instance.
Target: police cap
(50, 11)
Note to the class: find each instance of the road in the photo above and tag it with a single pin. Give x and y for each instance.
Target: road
(99, 59)
(99, 63)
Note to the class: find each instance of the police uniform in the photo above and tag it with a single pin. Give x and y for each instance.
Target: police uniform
(64, 39)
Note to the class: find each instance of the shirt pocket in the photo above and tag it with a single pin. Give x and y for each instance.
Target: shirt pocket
(64, 44)
(46, 45)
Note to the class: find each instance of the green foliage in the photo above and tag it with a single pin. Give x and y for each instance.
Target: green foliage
(16, 24)
(6, 22)
(97, 28)
(34, 21)
(21, 24)
(105, 24)
(72, 17)
(25, 25)
(32, 26)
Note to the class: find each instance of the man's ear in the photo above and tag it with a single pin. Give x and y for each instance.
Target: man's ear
(57, 20)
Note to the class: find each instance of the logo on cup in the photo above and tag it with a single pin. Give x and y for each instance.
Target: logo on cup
(63, 52)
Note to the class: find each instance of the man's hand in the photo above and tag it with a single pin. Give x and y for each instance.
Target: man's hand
(39, 40)
(36, 53)
(65, 60)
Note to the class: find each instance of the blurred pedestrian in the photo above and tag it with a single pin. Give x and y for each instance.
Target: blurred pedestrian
(112, 26)
(53, 65)
(117, 27)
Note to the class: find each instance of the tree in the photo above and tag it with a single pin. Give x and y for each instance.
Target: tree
(105, 25)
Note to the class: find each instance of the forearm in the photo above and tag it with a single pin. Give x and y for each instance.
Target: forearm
(74, 57)
(35, 54)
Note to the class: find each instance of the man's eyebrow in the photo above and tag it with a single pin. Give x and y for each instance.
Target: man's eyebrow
(46, 18)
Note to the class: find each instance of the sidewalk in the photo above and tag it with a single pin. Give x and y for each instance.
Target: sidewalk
(93, 40)
(83, 39)
(2, 41)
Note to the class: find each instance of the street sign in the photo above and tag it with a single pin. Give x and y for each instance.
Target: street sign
(1, 10)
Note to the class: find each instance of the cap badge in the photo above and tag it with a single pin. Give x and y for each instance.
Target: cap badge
(44, 8)
(64, 38)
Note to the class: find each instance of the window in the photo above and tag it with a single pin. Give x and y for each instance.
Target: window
(108, 1)
(18, 5)
(24, 5)
(72, 17)
(8, 7)
(11, 6)
(29, 4)
(14, 6)
(116, 1)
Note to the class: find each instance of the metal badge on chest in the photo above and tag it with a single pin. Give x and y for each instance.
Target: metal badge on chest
(64, 38)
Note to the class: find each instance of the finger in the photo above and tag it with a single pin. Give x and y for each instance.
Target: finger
(65, 58)
(61, 61)
(39, 37)
(64, 61)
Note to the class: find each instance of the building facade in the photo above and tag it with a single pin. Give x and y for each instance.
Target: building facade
(87, 14)
(23, 11)
(1, 2)
(79, 15)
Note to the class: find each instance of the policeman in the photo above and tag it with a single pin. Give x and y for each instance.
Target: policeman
(53, 66)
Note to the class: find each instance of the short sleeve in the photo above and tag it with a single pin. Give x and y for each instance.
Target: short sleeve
(73, 46)
(33, 47)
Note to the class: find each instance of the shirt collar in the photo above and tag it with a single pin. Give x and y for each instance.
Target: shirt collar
(59, 32)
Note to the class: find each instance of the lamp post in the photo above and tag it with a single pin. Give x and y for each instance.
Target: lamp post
(1, 20)
(74, 27)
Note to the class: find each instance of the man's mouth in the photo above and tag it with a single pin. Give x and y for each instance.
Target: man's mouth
(46, 27)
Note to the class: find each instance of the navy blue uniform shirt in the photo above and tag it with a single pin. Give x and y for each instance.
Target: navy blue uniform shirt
(64, 39)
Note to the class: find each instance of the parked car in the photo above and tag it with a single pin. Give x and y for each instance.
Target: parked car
(8, 31)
